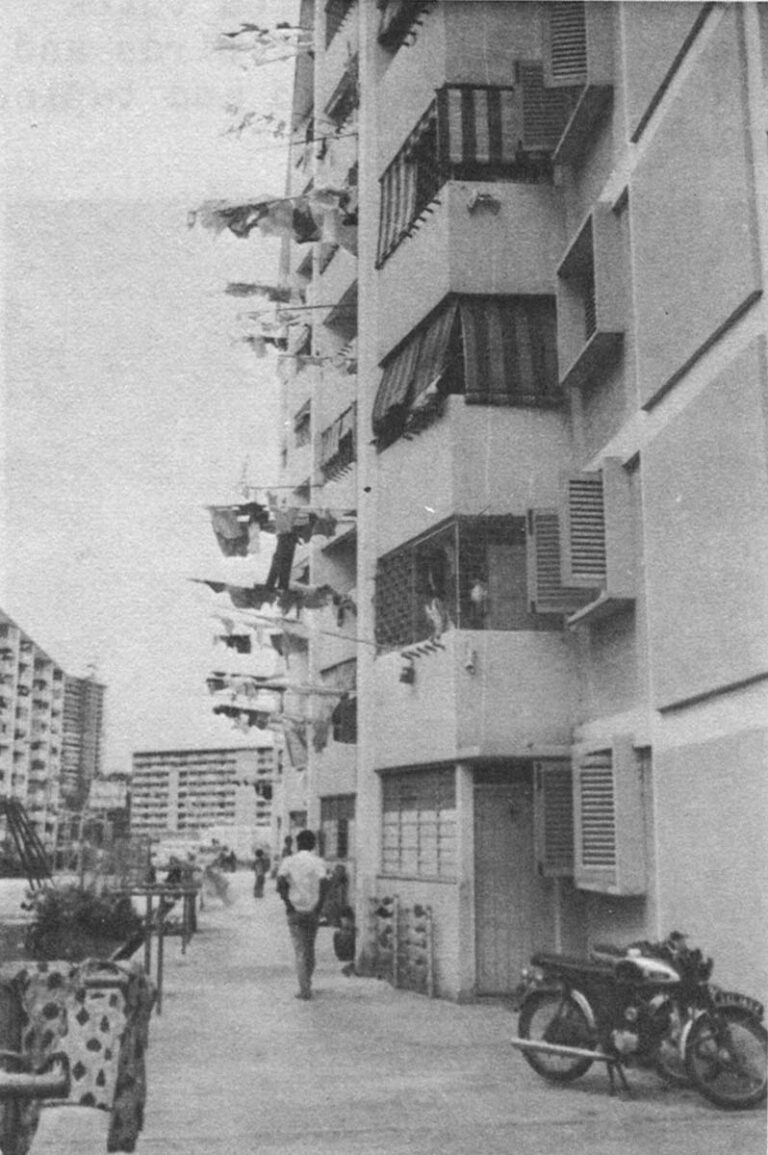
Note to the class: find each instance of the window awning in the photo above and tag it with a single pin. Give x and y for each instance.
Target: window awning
(509, 357)
(416, 369)
(510, 349)
(434, 355)
(478, 125)
(396, 386)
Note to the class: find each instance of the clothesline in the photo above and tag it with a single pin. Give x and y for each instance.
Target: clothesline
(295, 622)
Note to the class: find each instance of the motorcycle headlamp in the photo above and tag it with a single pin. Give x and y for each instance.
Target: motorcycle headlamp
(532, 975)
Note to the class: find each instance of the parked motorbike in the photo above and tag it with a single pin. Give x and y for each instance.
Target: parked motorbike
(650, 1004)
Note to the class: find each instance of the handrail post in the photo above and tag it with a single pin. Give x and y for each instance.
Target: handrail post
(160, 953)
(148, 935)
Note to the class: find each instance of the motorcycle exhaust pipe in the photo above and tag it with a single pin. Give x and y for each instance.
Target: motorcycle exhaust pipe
(566, 1052)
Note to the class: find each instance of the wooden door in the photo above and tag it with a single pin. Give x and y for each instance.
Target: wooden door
(511, 900)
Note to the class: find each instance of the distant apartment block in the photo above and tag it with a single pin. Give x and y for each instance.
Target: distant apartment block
(195, 791)
(31, 708)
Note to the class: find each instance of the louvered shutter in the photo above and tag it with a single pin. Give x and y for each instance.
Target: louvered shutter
(583, 541)
(608, 820)
(597, 812)
(553, 822)
(546, 592)
(565, 43)
(544, 111)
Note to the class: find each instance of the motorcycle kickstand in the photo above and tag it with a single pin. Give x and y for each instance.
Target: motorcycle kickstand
(617, 1068)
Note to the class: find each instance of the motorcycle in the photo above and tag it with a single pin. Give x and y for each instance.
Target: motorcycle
(650, 1004)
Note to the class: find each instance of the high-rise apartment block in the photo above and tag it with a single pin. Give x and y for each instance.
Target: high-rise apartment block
(82, 747)
(31, 728)
(533, 359)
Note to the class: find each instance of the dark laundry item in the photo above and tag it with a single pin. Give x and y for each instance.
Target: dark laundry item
(279, 575)
(239, 642)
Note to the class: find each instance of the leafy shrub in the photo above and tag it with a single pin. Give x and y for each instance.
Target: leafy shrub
(71, 912)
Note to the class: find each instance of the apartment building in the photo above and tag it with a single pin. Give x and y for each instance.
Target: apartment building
(82, 739)
(196, 793)
(319, 447)
(31, 712)
(553, 436)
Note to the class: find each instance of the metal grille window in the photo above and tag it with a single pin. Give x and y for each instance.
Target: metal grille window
(419, 823)
(337, 826)
(470, 573)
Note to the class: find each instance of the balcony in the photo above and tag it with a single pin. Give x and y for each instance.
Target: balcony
(485, 694)
(475, 238)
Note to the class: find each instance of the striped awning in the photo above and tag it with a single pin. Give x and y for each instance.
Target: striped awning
(435, 350)
(399, 187)
(509, 356)
(510, 349)
(478, 125)
(419, 364)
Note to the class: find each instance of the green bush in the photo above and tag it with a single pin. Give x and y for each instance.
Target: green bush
(71, 911)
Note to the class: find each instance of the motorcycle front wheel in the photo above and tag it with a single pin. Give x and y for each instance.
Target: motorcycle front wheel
(668, 1060)
(552, 1017)
(726, 1057)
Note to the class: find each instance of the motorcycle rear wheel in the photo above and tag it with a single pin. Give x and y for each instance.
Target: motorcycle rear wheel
(726, 1057)
(551, 1017)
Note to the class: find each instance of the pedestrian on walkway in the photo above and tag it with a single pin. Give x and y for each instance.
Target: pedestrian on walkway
(302, 882)
(260, 868)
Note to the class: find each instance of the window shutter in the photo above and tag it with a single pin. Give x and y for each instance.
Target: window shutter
(565, 43)
(598, 548)
(583, 552)
(609, 826)
(544, 111)
(553, 823)
(546, 592)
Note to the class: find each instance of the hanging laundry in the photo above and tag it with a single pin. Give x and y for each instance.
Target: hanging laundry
(274, 293)
(239, 642)
(320, 731)
(231, 534)
(295, 743)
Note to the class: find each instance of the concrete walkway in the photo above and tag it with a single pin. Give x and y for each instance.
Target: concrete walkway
(237, 1065)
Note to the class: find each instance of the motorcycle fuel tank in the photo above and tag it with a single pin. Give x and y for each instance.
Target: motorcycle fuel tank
(639, 968)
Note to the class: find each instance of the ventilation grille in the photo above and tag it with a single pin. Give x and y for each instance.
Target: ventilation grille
(586, 517)
(556, 853)
(598, 813)
(568, 42)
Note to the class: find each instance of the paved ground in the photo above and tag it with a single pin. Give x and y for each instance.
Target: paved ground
(237, 1065)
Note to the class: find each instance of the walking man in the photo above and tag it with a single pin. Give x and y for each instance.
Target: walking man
(302, 882)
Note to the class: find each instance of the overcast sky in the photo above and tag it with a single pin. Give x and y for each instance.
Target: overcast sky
(127, 403)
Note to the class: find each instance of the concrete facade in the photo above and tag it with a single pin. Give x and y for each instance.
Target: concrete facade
(604, 687)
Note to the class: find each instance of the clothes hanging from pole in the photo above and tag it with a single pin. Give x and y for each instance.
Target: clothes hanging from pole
(279, 576)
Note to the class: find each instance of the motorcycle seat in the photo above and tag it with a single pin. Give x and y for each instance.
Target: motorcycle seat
(574, 963)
